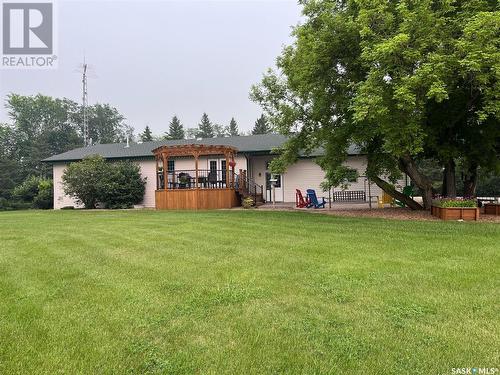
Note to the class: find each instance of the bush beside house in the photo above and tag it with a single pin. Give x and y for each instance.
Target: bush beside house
(94, 182)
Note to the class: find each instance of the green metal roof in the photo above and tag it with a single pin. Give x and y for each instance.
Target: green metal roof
(264, 143)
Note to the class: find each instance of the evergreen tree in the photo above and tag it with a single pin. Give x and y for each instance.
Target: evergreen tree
(175, 129)
(220, 131)
(233, 128)
(261, 126)
(205, 127)
(191, 133)
(146, 136)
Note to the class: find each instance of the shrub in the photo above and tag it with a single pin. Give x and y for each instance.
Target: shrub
(28, 190)
(448, 203)
(9, 205)
(36, 192)
(82, 180)
(247, 202)
(123, 186)
(45, 197)
(112, 185)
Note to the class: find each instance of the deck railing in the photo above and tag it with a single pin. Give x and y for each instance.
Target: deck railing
(192, 179)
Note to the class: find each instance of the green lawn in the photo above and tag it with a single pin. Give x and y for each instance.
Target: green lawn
(245, 292)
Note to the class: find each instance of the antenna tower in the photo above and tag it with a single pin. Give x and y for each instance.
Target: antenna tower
(84, 105)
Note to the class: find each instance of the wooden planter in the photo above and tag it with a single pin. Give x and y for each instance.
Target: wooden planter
(492, 209)
(455, 213)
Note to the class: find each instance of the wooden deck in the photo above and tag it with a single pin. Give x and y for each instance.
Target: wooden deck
(196, 199)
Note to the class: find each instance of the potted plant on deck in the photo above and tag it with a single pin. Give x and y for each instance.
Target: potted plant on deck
(455, 209)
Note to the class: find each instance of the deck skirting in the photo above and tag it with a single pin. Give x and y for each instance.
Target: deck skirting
(195, 199)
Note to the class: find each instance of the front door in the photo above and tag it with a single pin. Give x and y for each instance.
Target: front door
(213, 173)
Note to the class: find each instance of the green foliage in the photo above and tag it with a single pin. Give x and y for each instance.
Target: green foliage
(45, 197)
(107, 125)
(122, 186)
(114, 185)
(28, 190)
(261, 126)
(219, 130)
(247, 202)
(448, 203)
(205, 128)
(10, 176)
(146, 136)
(42, 126)
(11, 205)
(233, 128)
(36, 191)
(83, 180)
(175, 129)
(488, 186)
(402, 80)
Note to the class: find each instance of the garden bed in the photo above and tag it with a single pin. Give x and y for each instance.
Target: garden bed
(492, 209)
(456, 213)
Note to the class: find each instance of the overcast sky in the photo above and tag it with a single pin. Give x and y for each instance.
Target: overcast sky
(154, 59)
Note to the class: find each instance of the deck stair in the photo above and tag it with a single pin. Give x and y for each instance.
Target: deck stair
(247, 187)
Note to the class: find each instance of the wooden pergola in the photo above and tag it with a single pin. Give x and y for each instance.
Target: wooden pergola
(197, 196)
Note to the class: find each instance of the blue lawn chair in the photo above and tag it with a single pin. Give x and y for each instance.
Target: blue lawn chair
(313, 199)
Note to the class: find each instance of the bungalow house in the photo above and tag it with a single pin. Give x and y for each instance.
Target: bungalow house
(217, 164)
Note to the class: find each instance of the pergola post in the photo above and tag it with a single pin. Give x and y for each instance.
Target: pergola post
(196, 170)
(227, 169)
(165, 171)
(156, 175)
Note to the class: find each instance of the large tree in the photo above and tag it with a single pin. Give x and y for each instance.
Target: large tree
(384, 75)
(41, 126)
(107, 125)
(261, 126)
(220, 131)
(175, 129)
(205, 128)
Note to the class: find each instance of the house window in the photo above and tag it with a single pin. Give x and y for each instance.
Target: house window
(170, 166)
(269, 177)
(213, 166)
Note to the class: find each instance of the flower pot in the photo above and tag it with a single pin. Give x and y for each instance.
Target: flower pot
(456, 213)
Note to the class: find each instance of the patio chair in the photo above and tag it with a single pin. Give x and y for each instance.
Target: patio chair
(300, 202)
(184, 180)
(212, 179)
(408, 191)
(313, 199)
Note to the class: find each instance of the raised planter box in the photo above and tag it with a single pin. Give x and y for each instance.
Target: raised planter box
(455, 213)
(492, 209)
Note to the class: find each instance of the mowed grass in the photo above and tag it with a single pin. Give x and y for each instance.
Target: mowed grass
(239, 292)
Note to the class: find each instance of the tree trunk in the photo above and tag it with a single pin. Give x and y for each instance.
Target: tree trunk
(470, 182)
(407, 165)
(389, 189)
(449, 180)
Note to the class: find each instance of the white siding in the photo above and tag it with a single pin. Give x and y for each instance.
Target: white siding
(60, 199)
(148, 170)
(306, 174)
